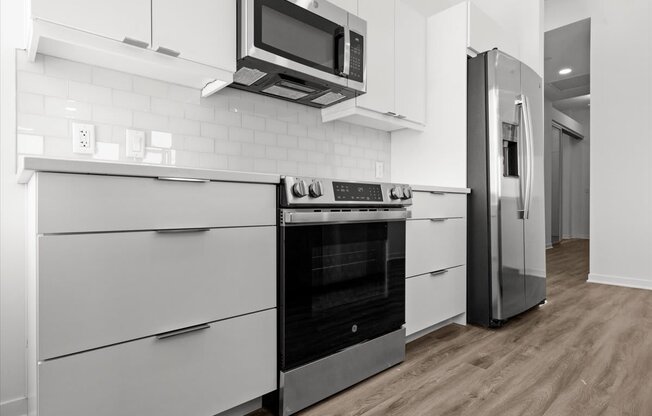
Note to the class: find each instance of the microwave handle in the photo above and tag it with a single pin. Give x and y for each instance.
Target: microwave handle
(346, 67)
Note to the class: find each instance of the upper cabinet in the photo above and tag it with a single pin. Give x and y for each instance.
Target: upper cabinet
(381, 71)
(350, 6)
(396, 69)
(122, 20)
(194, 45)
(198, 33)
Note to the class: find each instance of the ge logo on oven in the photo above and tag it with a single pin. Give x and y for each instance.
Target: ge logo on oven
(354, 328)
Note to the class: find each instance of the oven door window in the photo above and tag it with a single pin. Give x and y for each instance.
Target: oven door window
(343, 284)
(292, 32)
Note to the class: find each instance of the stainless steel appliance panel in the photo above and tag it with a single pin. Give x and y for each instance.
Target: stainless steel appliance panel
(504, 90)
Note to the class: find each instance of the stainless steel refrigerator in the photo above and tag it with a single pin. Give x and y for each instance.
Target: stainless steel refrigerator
(506, 216)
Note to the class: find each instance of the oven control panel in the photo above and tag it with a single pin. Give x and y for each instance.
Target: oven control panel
(347, 191)
(302, 191)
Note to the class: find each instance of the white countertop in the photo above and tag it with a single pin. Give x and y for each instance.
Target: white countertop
(443, 189)
(29, 164)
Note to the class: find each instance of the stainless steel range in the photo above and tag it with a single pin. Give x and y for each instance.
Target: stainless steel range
(341, 286)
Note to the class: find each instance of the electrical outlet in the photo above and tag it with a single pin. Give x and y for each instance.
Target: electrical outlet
(380, 169)
(83, 138)
(135, 146)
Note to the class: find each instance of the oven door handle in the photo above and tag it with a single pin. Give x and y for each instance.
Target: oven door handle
(289, 217)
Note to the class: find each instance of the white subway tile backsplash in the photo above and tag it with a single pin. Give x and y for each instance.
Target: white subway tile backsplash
(41, 84)
(61, 107)
(241, 135)
(232, 129)
(131, 101)
(112, 115)
(112, 79)
(30, 103)
(63, 68)
(88, 93)
(29, 144)
(199, 144)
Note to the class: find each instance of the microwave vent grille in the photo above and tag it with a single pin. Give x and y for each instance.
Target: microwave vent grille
(328, 98)
(248, 76)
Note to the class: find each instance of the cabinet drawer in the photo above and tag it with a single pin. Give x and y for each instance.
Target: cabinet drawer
(99, 289)
(430, 299)
(87, 203)
(438, 205)
(198, 373)
(434, 245)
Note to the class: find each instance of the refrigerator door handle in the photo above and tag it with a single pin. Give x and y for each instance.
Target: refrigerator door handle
(527, 120)
(522, 156)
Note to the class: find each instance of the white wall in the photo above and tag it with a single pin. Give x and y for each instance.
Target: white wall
(437, 156)
(621, 126)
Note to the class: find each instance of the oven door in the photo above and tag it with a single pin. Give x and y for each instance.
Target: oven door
(341, 283)
(311, 37)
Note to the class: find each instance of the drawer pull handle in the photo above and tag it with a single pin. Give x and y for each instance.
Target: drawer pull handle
(176, 179)
(183, 230)
(182, 331)
(168, 51)
(439, 272)
(135, 42)
(437, 193)
(438, 219)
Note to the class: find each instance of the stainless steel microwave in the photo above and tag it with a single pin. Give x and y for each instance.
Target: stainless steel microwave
(307, 51)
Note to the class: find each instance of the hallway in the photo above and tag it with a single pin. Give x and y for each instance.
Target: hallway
(583, 353)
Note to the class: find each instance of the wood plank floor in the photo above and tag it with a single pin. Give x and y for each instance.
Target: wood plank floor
(588, 351)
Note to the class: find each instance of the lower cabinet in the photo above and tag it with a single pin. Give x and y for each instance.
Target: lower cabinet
(203, 372)
(433, 298)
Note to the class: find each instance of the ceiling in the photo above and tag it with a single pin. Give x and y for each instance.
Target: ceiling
(568, 47)
(574, 103)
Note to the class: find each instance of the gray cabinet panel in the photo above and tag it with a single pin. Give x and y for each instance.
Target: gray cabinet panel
(99, 289)
(200, 373)
(69, 203)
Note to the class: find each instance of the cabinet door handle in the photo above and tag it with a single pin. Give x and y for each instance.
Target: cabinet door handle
(135, 42)
(182, 230)
(438, 272)
(437, 193)
(168, 51)
(438, 219)
(182, 331)
(177, 179)
(391, 113)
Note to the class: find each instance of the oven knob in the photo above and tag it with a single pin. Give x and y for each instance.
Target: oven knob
(396, 192)
(316, 189)
(300, 189)
(407, 192)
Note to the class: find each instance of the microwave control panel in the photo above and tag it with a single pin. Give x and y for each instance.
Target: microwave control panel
(356, 72)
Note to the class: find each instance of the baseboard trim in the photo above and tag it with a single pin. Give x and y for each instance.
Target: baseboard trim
(16, 407)
(457, 319)
(620, 281)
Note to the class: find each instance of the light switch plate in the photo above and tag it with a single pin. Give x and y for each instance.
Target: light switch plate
(380, 169)
(135, 144)
(83, 138)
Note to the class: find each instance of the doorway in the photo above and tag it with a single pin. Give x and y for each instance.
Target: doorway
(556, 230)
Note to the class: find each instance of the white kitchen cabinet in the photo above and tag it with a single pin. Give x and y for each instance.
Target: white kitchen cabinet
(193, 45)
(396, 70)
(381, 75)
(435, 259)
(410, 57)
(350, 6)
(205, 372)
(122, 20)
(433, 298)
(197, 31)
(142, 296)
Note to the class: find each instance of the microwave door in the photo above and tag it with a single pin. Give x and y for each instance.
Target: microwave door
(294, 34)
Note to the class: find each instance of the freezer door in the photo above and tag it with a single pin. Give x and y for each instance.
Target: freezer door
(506, 169)
(535, 250)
